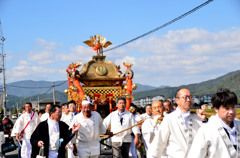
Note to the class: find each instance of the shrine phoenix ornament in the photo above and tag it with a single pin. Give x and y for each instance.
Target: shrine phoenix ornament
(97, 43)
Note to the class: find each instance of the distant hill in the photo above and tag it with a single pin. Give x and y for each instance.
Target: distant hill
(13, 100)
(28, 90)
(230, 80)
(143, 87)
(20, 95)
(23, 88)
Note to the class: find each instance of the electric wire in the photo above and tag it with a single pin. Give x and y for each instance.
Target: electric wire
(8, 85)
(162, 26)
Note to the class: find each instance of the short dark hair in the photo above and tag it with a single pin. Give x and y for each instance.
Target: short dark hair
(41, 112)
(174, 104)
(224, 97)
(64, 104)
(148, 105)
(135, 106)
(53, 109)
(29, 103)
(121, 98)
(176, 94)
(167, 101)
(70, 102)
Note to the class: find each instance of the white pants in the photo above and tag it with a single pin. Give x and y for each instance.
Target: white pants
(26, 149)
(95, 156)
(133, 149)
(70, 151)
(53, 154)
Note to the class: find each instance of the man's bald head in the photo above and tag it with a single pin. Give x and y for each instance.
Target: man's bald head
(157, 108)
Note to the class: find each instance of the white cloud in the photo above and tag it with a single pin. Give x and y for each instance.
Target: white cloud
(77, 53)
(47, 45)
(176, 58)
(42, 57)
(186, 56)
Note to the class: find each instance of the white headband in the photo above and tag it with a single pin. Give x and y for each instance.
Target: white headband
(88, 101)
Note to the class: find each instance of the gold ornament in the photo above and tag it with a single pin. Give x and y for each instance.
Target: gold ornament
(127, 65)
(132, 109)
(128, 95)
(101, 70)
(74, 89)
(66, 91)
(134, 86)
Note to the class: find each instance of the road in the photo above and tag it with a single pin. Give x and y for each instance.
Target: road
(12, 154)
(104, 153)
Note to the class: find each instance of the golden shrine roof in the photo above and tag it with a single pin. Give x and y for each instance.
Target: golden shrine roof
(99, 72)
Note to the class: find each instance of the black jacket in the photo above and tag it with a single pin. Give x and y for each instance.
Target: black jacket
(41, 133)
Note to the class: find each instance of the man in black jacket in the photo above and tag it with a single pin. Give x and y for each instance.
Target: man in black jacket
(53, 134)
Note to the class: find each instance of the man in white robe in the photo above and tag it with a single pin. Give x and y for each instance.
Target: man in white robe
(65, 111)
(68, 119)
(120, 120)
(133, 149)
(220, 137)
(25, 126)
(167, 107)
(148, 113)
(45, 116)
(177, 130)
(151, 125)
(88, 136)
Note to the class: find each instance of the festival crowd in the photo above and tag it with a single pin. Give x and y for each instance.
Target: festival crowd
(166, 130)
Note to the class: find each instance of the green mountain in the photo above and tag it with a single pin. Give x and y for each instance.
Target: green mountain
(230, 80)
(27, 88)
(13, 100)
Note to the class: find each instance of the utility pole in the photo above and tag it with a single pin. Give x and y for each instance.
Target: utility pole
(3, 71)
(17, 107)
(54, 97)
(38, 102)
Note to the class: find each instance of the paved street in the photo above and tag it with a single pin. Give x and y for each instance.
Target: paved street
(105, 154)
(12, 154)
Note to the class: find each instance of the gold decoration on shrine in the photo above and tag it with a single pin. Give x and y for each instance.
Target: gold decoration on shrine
(134, 86)
(97, 42)
(101, 70)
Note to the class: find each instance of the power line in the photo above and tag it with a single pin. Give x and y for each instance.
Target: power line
(162, 26)
(46, 91)
(8, 85)
(26, 87)
(60, 84)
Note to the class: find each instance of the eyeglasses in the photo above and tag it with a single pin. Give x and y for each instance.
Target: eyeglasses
(186, 97)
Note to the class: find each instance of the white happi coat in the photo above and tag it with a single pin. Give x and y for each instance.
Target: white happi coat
(14, 129)
(44, 117)
(212, 141)
(26, 148)
(23, 120)
(149, 127)
(68, 118)
(88, 136)
(173, 138)
(113, 119)
(145, 116)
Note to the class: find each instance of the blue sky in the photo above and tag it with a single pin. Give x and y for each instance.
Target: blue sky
(44, 37)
